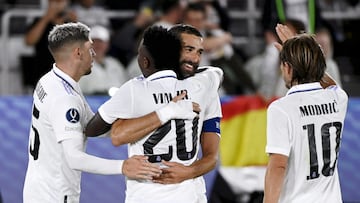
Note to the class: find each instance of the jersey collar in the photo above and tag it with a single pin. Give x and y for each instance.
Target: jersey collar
(304, 88)
(66, 78)
(162, 74)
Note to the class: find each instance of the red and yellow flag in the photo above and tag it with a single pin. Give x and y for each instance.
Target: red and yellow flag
(243, 132)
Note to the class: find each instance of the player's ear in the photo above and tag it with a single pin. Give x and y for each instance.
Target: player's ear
(77, 52)
(146, 62)
(288, 69)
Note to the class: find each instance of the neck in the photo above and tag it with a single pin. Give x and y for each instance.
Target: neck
(69, 70)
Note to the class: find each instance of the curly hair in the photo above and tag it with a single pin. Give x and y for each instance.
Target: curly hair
(163, 46)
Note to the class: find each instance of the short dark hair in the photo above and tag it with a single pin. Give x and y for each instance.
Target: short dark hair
(179, 29)
(163, 46)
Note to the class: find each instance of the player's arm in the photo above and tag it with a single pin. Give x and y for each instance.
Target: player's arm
(176, 172)
(96, 126)
(284, 34)
(140, 126)
(209, 140)
(136, 167)
(131, 129)
(274, 177)
(210, 147)
(327, 81)
(126, 131)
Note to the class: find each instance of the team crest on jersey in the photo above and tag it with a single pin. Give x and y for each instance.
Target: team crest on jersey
(72, 115)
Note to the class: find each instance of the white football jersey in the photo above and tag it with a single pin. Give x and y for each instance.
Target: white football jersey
(48, 177)
(177, 140)
(306, 125)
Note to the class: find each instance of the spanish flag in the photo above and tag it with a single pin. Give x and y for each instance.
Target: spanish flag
(243, 131)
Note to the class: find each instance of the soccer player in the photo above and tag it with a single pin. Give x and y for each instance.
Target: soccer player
(59, 115)
(130, 130)
(176, 140)
(192, 50)
(304, 128)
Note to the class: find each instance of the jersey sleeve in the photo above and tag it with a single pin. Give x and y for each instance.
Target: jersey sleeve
(213, 114)
(278, 135)
(214, 75)
(80, 160)
(67, 117)
(114, 107)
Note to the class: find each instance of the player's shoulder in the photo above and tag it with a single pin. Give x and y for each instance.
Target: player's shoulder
(55, 86)
(204, 69)
(209, 71)
(339, 91)
(282, 102)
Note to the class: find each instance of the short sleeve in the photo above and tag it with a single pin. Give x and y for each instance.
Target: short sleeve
(67, 117)
(213, 74)
(277, 132)
(118, 106)
(213, 108)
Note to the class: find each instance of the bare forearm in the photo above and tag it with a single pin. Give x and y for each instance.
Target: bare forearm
(203, 166)
(274, 178)
(273, 184)
(327, 81)
(96, 126)
(210, 145)
(176, 172)
(126, 131)
(34, 34)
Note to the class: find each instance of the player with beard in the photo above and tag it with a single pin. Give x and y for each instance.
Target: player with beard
(129, 130)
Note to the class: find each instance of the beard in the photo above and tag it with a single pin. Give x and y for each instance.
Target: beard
(188, 68)
(88, 72)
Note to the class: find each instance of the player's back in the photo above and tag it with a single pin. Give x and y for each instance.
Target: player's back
(177, 140)
(315, 118)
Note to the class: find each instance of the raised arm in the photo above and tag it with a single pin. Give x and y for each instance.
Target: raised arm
(284, 33)
(327, 81)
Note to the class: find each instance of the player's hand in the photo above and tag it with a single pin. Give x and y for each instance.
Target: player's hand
(174, 173)
(284, 33)
(196, 106)
(138, 167)
(179, 97)
(178, 109)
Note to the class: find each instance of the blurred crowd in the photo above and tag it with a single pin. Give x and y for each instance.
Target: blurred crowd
(116, 40)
